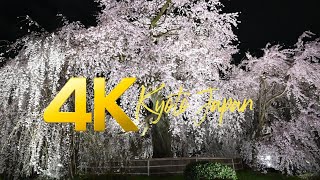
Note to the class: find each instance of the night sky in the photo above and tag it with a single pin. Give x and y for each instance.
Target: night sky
(262, 21)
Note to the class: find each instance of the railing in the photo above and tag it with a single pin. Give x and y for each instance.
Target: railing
(161, 166)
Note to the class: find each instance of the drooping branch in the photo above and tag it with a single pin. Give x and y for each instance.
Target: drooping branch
(275, 97)
(264, 102)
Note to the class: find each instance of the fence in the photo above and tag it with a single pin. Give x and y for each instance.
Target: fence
(161, 166)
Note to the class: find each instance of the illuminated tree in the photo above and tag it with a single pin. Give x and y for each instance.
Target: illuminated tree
(179, 43)
(284, 133)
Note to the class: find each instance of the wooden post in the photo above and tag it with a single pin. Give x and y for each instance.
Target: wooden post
(148, 167)
(233, 165)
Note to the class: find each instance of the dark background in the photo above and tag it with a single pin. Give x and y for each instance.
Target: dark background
(262, 21)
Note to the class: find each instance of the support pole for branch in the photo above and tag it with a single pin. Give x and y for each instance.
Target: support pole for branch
(157, 18)
(233, 165)
(148, 167)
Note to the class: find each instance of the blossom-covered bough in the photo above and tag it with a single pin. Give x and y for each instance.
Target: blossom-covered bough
(179, 43)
